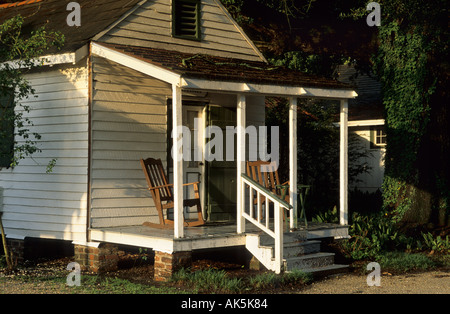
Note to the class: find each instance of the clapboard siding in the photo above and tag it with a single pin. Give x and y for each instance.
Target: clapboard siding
(54, 205)
(151, 26)
(129, 122)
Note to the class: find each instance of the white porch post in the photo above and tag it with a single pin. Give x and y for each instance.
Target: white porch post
(293, 161)
(343, 164)
(240, 155)
(177, 152)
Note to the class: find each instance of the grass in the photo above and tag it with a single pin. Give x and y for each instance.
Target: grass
(218, 281)
(405, 262)
(208, 280)
(267, 280)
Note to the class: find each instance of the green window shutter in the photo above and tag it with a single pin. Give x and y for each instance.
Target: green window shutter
(186, 19)
(6, 128)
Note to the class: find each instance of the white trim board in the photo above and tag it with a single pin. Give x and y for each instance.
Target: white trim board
(280, 90)
(50, 60)
(356, 123)
(136, 64)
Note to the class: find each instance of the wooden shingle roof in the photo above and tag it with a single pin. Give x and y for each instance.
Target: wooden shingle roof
(96, 16)
(225, 69)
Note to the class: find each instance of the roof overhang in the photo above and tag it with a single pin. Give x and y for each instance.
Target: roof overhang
(55, 59)
(362, 123)
(171, 77)
(274, 90)
(136, 64)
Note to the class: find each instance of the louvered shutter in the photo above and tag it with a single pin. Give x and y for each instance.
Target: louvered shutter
(186, 19)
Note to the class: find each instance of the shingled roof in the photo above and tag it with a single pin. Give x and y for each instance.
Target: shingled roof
(97, 16)
(225, 69)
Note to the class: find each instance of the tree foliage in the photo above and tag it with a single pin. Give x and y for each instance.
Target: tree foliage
(412, 64)
(19, 53)
(409, 54)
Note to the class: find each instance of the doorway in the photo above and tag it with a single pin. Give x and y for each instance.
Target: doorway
(221, 174)
(217, 177)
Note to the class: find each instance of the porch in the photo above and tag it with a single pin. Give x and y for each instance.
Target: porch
(210, 235)
(257, 212)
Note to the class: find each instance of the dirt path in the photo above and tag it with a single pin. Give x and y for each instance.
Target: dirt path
(433, 282)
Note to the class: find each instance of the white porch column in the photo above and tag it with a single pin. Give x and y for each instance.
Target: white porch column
(343, 164)
(177, 112)
(293, 161)
(240, 163)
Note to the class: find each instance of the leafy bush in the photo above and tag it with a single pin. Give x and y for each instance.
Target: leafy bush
(330, 216)
(370, 235)
(375, 234)
(436, 244)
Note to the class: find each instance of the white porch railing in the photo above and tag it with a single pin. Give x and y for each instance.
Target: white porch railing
(256, 203)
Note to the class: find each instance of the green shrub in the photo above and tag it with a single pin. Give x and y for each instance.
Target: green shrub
(330, 216)
(436, 244)
(370, 235)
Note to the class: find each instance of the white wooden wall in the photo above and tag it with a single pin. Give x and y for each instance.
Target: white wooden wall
(37, 204)
(151, 26)
(370, 181)
(129, 122)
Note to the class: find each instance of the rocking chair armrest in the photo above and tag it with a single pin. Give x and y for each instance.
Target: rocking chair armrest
(170, 184)
(160, 186)
(191, 183)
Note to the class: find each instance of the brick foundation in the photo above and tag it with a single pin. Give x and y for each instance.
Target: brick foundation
(16, 250)
(168, 263)
(99, 259)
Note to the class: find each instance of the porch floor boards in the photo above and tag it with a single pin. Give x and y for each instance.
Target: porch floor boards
(211, 235)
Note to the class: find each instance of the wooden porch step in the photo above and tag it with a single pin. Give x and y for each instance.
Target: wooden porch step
(309, 261)
(328, 270)
(288, 237)
(298, 253)
(300, 248)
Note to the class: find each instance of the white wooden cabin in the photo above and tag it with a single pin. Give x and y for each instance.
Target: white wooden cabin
(112, 97)
(366, 124)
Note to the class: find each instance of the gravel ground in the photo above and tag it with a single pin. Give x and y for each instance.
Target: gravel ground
(433, 282)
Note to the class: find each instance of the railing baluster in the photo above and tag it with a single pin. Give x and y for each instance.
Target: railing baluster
(279, 205)
(266, 210)
(250, 199)
(258, 205)
(278, 237)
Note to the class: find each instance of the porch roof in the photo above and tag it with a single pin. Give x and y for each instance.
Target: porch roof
(205, 72)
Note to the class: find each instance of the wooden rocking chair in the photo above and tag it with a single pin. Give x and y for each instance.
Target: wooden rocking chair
(271, 181)
(265, 173)
(163, 197)
(268, 178)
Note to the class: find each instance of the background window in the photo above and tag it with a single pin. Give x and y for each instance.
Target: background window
(186, 19)
(377, 137)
